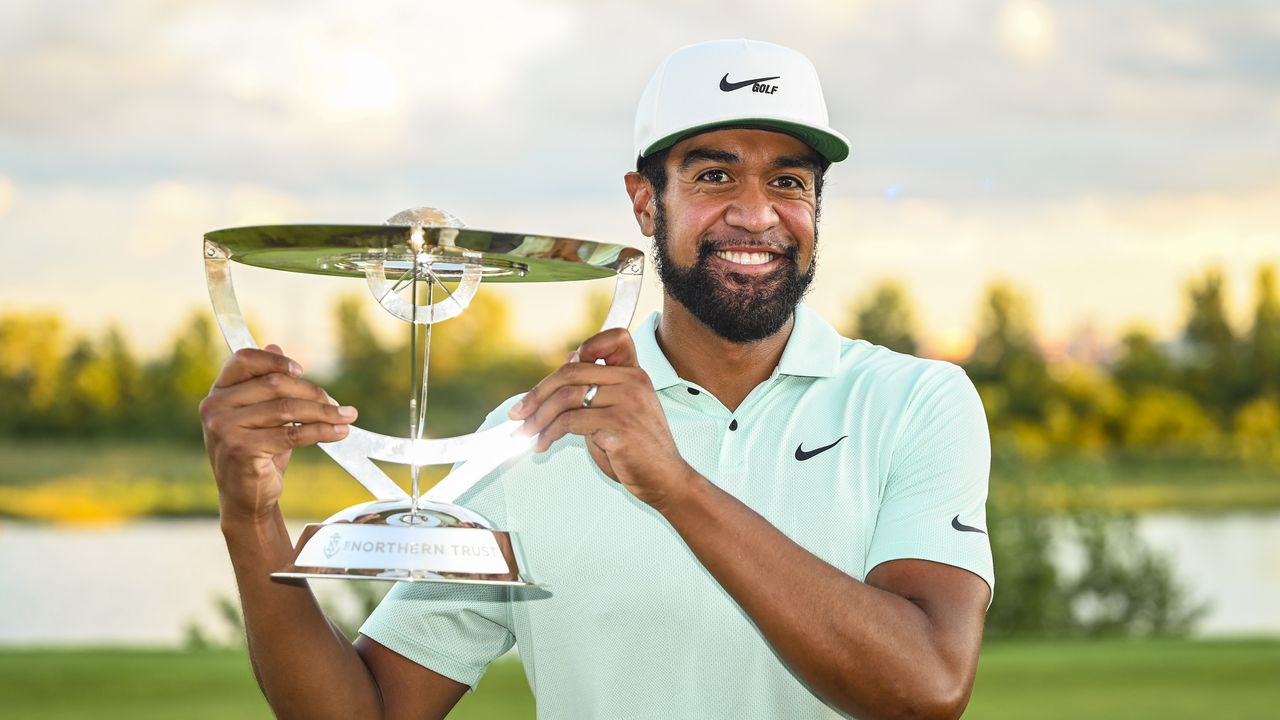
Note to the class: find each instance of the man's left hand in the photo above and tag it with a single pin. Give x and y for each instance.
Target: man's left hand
(625, 428)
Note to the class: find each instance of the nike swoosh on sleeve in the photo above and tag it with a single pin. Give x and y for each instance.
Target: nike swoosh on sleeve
(955, 523)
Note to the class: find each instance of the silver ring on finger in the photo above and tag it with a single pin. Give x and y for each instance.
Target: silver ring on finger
(590, 395)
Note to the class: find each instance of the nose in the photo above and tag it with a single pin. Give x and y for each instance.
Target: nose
(752, 210)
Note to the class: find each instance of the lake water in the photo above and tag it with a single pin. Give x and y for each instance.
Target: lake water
(145, 583)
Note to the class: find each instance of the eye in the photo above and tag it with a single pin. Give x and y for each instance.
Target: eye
(789, 182)
(714, 176)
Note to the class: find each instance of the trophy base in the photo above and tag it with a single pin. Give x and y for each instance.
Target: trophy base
(390, 540)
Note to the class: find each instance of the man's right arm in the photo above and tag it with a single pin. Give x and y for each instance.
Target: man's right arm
(257, 412)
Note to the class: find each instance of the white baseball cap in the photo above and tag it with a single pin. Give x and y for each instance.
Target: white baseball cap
(735, 83)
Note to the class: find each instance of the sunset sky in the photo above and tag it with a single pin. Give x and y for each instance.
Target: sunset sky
(1097, 155)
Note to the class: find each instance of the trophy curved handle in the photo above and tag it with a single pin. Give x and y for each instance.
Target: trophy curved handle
(626, 296)
(479, 452)
(226, 309)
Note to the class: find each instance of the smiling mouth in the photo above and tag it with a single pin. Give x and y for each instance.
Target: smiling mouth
(744, 258)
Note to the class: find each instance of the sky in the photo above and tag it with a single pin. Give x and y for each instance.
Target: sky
(1096, 155)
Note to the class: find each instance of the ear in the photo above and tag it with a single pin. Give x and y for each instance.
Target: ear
(641, 193)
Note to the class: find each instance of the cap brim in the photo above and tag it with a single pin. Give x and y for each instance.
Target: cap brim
(828, 143)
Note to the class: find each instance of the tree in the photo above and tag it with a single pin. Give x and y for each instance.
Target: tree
(177, 382)
(1167, 420)
(102, 388)
(369, 375)
(884, 316)
(31, 357)
(1006, 357)
(1123, 587)
(593, 313)
(1263, 341)
(1085, 411)
(1141, 363)
(475, 364)
(1212, 374)
(1257, 430)
(478, 363)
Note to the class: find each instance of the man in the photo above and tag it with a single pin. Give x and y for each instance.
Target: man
(739, 514)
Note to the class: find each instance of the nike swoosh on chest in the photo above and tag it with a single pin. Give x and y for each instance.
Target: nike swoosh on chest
(802, 454)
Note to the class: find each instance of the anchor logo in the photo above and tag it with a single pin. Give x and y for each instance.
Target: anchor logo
(331, 548)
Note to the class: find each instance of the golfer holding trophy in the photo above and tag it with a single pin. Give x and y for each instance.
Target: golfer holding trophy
(727, 511)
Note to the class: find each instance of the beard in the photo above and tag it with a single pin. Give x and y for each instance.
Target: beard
(738, 307)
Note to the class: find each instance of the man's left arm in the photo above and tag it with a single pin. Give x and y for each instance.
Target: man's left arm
(902, 644)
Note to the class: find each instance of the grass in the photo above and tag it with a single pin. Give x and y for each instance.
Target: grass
(112, 482)
(214, 684)
(1142, 484)
(1136, 680)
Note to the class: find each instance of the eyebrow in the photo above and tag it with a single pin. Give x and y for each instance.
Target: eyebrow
(807, 162)
(697, 155)
(706, 154)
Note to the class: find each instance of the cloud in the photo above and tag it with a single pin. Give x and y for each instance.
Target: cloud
(317, 96)
(1108, 260)
(7, 192)
(1131, 142)
(291, 93)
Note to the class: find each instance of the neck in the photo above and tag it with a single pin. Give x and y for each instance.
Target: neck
(728, 370)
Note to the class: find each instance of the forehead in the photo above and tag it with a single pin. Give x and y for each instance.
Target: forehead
(747, 144)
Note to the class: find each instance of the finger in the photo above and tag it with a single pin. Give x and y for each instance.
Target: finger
(601, 458)
(579, 373)
(282, 411)
(281, 439)
(583, 421)
(614, 346)
(270, 387)
(250, 363)
(568, 397)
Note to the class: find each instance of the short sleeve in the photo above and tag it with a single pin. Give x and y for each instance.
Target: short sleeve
(934, 502)
(455, 630)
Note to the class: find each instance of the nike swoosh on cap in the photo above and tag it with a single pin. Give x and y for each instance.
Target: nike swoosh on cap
(802, 454)
(727, 86)
(955, 523)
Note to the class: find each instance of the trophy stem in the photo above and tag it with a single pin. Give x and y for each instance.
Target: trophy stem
(418, 373)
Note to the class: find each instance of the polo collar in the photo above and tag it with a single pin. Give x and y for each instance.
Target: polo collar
(651, 357)
(813, 350)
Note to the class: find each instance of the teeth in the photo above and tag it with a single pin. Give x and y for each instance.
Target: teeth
(745, 258)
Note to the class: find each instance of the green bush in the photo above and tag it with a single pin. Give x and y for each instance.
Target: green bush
(1123, 588)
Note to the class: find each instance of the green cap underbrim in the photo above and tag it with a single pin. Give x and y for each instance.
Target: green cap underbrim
(830, 146)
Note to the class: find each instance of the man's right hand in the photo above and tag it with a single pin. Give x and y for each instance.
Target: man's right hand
(258, 410)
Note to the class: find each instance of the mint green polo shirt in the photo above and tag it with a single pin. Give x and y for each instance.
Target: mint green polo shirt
(630, 625)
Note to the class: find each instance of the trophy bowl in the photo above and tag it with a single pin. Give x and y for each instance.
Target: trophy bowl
(399, 535)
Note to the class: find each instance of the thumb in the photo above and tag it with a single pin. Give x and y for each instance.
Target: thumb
(613, 346)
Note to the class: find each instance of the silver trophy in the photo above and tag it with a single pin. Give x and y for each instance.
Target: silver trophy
(406, 264)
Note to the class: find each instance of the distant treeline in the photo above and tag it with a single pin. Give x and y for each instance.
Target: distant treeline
(54, 385)
(1212, 391)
